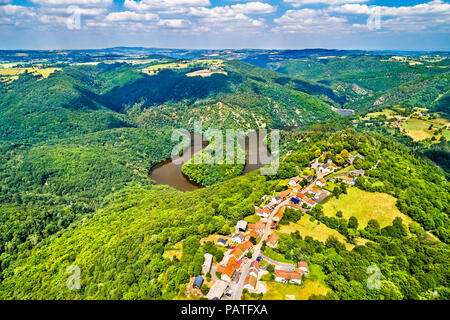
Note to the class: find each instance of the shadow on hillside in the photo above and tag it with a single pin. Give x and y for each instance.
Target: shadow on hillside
(166, 86)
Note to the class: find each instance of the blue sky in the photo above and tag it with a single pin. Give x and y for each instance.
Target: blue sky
(296, 24)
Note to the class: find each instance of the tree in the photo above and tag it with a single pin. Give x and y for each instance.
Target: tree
(353, 223)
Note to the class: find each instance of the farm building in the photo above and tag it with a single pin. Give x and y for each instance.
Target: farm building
(206, 267)
(241, 225)
(198, 282)
(217, 290)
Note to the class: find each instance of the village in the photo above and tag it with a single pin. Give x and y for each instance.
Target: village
(241, 266)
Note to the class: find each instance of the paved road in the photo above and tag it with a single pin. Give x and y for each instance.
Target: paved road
(284, 266)
(237, 290)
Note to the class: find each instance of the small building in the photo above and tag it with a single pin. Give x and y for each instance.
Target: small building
(198, 282)
(321, 182)
(258, 227)
(326, 167)
(254, 269)
(295, 201)
(347, 180)
(238, 238)
(309, 202)
(251, 234)
(303, 266)
(241, 225)
(276, 200)
(285, 193)
(250, 282)
(217, 290)
(222, 242)
(206, 267)
(288, 277)
(315, 192)
(272, 240)
(228, 273)
(263, 213)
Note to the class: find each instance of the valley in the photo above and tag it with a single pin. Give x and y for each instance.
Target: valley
(87, 179)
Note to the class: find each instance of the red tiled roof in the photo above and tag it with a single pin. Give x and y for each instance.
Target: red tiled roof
(288, 275)
(285, 193)
(302, 264)
(273, 238)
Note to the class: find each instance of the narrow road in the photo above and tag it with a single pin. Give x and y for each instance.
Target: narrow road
(237, 291)
(284, 266)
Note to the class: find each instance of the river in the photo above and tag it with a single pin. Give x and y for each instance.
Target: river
(169, 173)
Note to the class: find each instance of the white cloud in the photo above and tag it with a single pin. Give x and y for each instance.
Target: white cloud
(131, 16)
(436, 6)
(88, 3)
(174, 23)
(308, 20)
(253, 8)
(299, 3)
(167, 6)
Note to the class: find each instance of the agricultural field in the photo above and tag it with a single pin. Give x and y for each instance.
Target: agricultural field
(316, 230)
(11, 74)
(418, 129)
(366, 206)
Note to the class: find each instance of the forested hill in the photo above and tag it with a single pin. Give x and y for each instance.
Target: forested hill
(126, 250)
(88, 98)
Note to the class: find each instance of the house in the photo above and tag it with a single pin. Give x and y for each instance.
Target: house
(303, 266)
(217, 290)
(241, 225)
(325, 168)
(293, 182)
(238, 238)
(288, 277)
(295, 201)
(278, 215)
(258, 227)
(320, 182)
(254, 269)
(315, 192)
(222, 242)
(310, 203)
(347, 180)
(272, 240)
(250, 282)
(309, 178)
(227, 273)
(235, 254)
(206, 267)
(285, 193)
(263, 213)
(245, 246)
(238, 264)
(198, 282)
(251, 234)
(276, 200)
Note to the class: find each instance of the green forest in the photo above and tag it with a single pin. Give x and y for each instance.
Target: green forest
(77, 149)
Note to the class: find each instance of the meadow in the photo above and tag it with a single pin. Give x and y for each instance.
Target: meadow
(365, 206)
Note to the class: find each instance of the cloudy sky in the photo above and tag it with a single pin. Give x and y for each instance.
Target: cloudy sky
(341, 24)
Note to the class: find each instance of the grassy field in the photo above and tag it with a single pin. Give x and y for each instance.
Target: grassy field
(314, 284)
(366, 206)
(417, 129)
(44, 72)
(253, 218)
(316, 230)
